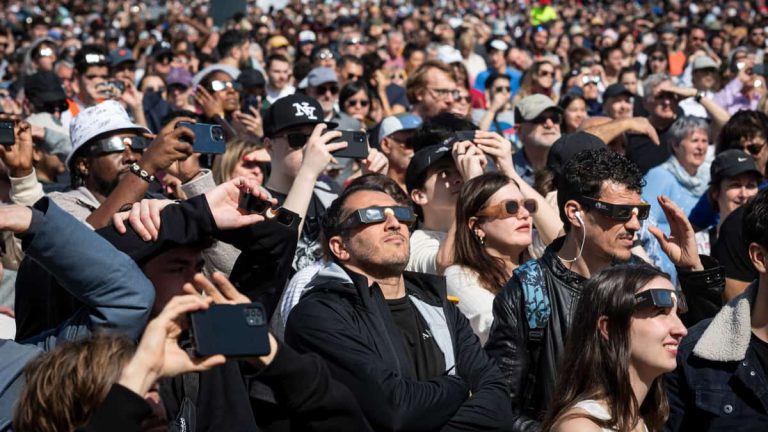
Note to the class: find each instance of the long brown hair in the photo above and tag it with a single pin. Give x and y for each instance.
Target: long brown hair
(65, 386)
(598, 367)
(469, 252)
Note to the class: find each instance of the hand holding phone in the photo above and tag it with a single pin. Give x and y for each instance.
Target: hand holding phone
(234, 330)
(357, 145)
(7, 134)
(281, 215)
(209, 138)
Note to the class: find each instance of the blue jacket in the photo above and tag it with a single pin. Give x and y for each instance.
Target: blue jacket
(716, 386)
(117, 294)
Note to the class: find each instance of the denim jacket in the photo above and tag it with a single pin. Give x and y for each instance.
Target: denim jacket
(716, 386)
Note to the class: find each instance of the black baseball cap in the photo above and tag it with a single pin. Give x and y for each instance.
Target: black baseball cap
(421, 162)
(44, 87)
(731, 163)
(617, 89)
(250, 78)
(568, 146)
(291, 111)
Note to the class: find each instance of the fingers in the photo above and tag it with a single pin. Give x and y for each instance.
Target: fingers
(134, 219)
(118, 221)
(228, 290)
(204, 285)
(660, 236)
(205, 363)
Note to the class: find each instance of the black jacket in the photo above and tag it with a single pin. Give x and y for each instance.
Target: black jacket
(348, 323)
(531, 382)
(301, 384)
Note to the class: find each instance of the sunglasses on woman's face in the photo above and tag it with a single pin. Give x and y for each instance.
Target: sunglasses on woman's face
(357, 102)
(661, 298)
(509, 208)
(218, 85)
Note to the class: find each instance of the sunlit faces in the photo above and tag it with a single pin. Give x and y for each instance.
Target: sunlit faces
(618, 107)
(286, 160)
(441, 187)
(437, 96)
(655, 335)
(381, 249)
(575, 113)
(543, 130)
(606, 238)
(692, 150)
(507, 233)
(733, 192)
(170, 270)
(662, 105)
(279, 74)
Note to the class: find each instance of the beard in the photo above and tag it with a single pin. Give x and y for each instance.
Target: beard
(379, 264)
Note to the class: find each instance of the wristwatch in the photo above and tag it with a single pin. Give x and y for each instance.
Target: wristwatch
(699, 95)
(143, 174)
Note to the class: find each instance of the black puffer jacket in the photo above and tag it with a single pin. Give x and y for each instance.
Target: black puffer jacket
(509, 343)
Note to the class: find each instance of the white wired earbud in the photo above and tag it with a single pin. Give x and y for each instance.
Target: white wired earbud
(577, 215)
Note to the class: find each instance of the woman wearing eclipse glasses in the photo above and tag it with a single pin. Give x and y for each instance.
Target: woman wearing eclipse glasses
(494, 226)
(626, 338)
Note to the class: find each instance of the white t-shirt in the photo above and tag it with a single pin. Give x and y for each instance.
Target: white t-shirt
(273, 95)
(424, 246)
(475, 302)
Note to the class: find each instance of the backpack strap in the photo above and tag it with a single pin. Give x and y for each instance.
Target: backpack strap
(537, 311)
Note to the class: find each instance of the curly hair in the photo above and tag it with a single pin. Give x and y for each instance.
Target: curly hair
(585, 174)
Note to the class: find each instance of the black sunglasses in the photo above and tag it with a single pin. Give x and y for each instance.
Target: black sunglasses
(373, 215)
(752, 149)
(55, 106)
(618, 212)
(334, 89)
(661, 298)
(295, 140)
(555, 117)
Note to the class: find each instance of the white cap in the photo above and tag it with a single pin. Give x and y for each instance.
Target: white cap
(448, 54)
(307, 36)
(499, 45)
(108, 116)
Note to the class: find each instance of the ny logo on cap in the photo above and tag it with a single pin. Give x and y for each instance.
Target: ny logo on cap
(305, 109)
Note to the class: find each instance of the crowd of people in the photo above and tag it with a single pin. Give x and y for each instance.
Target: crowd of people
(558, 222)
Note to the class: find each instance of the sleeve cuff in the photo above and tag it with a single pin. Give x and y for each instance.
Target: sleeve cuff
(200, 185)
(26, 190)
(712, 275)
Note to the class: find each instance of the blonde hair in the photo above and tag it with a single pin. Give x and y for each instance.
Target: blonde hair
(65, 386)
(224, 165)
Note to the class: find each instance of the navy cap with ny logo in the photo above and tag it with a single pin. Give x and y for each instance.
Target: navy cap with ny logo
(291, 111)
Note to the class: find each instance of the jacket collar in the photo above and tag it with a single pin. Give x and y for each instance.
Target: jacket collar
(727, 335)
(550, 258)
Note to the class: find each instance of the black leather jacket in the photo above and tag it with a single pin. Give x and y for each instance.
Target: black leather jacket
(509, 344)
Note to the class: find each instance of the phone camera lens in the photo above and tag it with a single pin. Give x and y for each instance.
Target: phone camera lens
(217, 133)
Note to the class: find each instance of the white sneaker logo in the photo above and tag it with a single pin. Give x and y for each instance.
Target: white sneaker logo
(305, 109)
(741, 159)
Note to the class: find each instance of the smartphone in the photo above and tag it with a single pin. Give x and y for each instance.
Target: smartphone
(117, 84)
(209, 138)
(7, 135)
(251, 101)
(357, 145)
(465, 135)
(233, 330)
(280, 215)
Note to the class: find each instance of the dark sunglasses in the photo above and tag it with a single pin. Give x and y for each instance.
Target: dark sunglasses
(546, 73)
(353, 77)
(151, 89)
(354, 102)
(658, 58)
(373, 215)
(165, 59)
(618, 212)
(295, 140)
(661, 298)
(752, 149)
(118, 144)
(334, 89)
(55, 106)
(502, 89)
(218, 85)
(556, 118)
(509, 208)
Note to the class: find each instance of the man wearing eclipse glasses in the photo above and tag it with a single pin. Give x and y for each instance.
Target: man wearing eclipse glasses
(391, 336)
(600, 205)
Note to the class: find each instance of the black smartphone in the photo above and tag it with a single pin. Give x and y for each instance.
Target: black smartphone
(357, 145)
(233, 330)
(280, 215)
(7, 135)
(250, 101)
(465, 135)
(119, 85)
(209, 138)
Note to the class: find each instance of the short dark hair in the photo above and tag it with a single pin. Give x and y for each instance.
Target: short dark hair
(743, 124)
(435, 130)
(350, 89)
(584, 175)
(230, 40)
(348, 58)
(275, 57)
(411, 48)
(628, 70)
(493, 77)
(756, 219)
(332, 219)
(81, 65)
